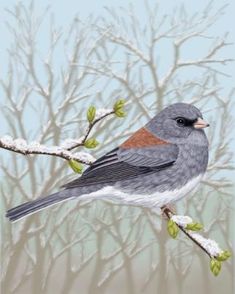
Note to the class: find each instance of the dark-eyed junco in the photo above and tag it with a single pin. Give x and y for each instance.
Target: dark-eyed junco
(159, 164)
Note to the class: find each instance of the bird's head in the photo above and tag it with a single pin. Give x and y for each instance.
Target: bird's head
(178, 122)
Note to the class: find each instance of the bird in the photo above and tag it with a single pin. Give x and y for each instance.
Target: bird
(156, 166)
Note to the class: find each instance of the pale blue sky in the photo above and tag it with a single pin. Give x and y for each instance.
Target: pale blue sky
(65, 10)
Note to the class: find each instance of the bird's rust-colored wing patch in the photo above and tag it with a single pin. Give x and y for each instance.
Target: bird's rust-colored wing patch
(142, 138)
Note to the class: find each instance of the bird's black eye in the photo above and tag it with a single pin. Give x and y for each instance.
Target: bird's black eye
(180, 121)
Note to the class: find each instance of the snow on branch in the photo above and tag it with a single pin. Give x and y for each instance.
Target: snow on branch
(22, 147)
(188, 227)
(65, 149)
(187, 223)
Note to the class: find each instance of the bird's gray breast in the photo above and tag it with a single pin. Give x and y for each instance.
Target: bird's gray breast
(191, 161)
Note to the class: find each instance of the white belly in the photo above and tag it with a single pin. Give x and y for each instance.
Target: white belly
(153, 200)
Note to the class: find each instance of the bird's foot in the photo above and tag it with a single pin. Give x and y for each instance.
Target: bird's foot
(168, 210)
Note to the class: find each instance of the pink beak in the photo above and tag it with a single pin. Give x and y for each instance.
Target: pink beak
(200, 124)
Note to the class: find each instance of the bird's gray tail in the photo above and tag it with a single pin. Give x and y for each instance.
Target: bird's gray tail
(33, 206)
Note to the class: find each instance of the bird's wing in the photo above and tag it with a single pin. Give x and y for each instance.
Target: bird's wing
(142, 153)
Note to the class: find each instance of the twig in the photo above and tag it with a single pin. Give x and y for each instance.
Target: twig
(168, 213)
(63, 151)
(9, 144)
(90, 127)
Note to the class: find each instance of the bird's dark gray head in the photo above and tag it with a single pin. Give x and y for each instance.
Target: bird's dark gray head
(178, 122)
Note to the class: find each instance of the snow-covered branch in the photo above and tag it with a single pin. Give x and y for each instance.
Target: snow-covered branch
(63, 151)
(22, 147)
(187, 226)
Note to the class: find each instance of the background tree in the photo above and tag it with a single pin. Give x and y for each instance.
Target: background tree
(94, 246)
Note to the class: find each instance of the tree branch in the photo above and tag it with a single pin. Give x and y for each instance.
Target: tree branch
(197, 239)
(63, 151)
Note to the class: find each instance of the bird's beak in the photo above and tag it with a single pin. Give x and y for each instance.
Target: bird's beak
(200, 124)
